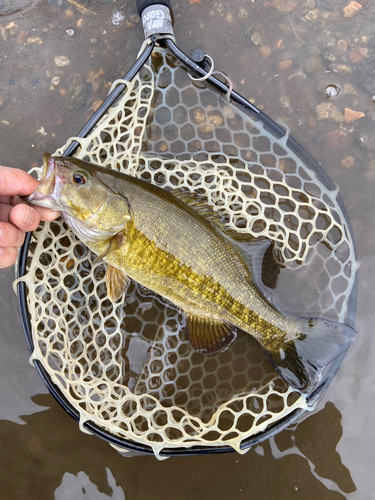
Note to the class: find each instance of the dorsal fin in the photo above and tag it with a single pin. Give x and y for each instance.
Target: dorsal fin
(200, 205)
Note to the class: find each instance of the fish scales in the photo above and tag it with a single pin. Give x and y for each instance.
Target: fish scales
(147, 234)
(153, 255)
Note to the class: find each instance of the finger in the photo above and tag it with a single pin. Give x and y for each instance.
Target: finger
(8, 256)
(24, 217)
(46, 213)
(10, 236)
(5, 212)
(16, 182)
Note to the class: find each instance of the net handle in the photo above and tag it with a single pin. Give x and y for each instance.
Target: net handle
(143, 4)
(156, 17)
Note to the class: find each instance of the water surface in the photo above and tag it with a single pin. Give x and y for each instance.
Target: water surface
(57, 64)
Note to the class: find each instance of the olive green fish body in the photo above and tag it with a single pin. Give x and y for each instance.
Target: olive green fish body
(187, 259)
(151, 236)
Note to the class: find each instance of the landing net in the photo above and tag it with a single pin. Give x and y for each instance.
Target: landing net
(128, 366)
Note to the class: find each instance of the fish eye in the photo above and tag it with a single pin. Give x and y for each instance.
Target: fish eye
(79, 178)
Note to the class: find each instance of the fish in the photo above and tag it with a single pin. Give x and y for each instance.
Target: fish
(174, 244)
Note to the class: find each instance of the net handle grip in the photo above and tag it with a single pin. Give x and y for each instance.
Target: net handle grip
(156, 17)
(143, 4)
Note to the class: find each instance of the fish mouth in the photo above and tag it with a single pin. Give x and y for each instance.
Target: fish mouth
(46, 194)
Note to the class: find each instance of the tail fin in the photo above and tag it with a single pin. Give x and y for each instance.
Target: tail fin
(302, 361)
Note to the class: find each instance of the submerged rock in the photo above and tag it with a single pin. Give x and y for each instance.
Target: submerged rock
(327, 111)
(76, 95)
(285, 6)
(352, 9)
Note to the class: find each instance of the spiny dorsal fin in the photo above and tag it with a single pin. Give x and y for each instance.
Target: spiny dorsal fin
(208, 336)
(117, 283)
(114, 244)
(200, 205)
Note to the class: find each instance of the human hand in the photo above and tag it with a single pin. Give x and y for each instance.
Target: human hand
(16, 217)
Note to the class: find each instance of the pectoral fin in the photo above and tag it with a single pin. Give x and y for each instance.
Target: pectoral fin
(117, 283)
(209, 336)
(114, 244)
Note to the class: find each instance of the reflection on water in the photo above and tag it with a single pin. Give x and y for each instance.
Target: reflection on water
(80, 487)
(300, 463)
(36, 115)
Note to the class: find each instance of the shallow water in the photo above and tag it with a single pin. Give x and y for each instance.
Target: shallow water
(45, 100)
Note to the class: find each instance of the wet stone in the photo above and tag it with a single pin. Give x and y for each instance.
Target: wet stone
(284, 65)
(357, 55)
(256, 38)
(266, 51)
(61, 61)
(365, 73)
(297, 74)
(366, 136)
(352, 9)
(341, 69)
(76, 95)
(327, 111)
(314, 64)
(312, 16)
(285, 6)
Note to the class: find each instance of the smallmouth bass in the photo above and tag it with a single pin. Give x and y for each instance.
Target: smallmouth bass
(157, 239)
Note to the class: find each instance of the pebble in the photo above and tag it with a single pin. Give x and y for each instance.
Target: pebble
(61, 61)
(297, 74)
(265, 51)
(366, 135)
(328, 111)
(285, 6)
(256, 38)
(365, 73)
(96, 105)
(283, 65)
(347, 162)
(314, 64)
(35, 39)
(341, 46)
(341, 69)
(134, 18)
(352, 9)
(312, 16)
(229, 19)
(76, 95)
(337, 139)
(352, 116)
(243, 14)
(69, 13)
(357, 55)
(1, 101)
(349, 89)
(284, 101)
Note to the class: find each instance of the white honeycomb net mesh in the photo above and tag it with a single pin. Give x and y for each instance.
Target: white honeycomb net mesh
(128, 366)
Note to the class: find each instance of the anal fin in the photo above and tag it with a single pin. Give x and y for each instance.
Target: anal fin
(117, 283)
(208, 336)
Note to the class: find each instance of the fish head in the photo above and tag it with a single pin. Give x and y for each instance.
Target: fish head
(73, 187)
